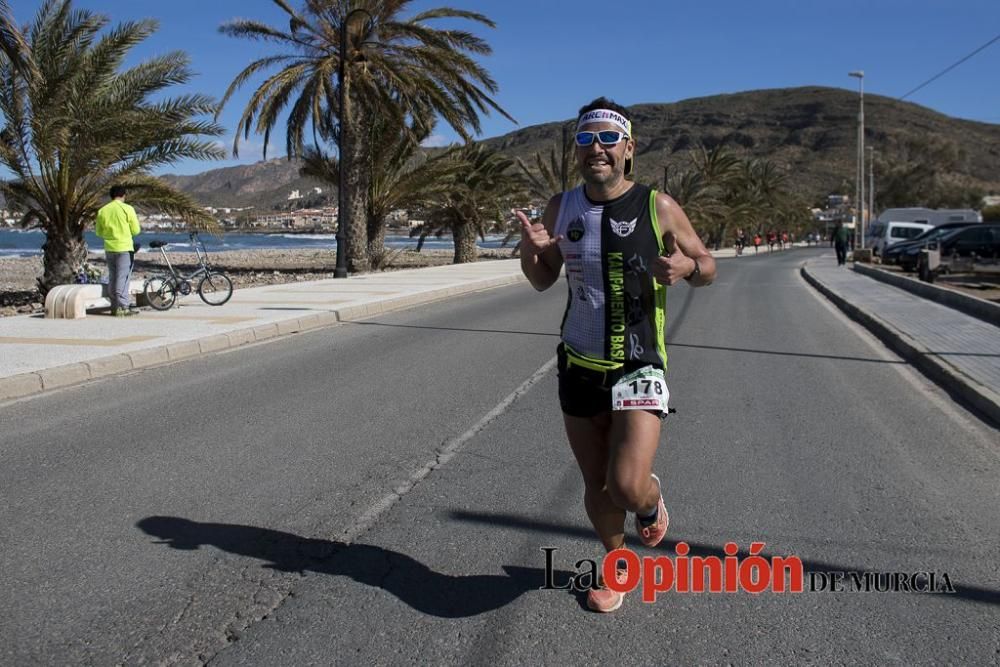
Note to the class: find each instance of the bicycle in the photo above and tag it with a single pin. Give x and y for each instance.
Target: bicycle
(161, 290)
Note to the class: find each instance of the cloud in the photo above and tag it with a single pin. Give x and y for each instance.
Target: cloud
(435, 141)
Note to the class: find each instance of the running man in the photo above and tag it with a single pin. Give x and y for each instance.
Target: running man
(622, 244)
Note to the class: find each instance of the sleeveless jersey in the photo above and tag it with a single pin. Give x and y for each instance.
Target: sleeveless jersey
(616, 311)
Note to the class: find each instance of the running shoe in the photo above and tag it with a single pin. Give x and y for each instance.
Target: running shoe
(604, 600)
(654, 533)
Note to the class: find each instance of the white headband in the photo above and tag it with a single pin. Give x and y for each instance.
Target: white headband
(606, 116)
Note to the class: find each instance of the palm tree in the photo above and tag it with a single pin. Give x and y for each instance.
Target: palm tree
(479, 195)
(555, 172)
(399, 178)
(74, 125)
(755, 195)
(689, 190)
(402, 68)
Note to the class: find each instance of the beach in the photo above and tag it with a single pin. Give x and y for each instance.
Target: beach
(247, 268)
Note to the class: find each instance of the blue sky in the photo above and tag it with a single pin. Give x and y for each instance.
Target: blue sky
(552, 56)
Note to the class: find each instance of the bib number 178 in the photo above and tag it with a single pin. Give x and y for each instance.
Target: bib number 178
(644, 389)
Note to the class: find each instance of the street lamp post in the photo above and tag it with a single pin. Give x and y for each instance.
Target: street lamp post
(860, 76)
(342, 229)
(871, 181)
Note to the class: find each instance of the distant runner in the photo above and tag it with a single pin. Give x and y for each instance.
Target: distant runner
(621, 243)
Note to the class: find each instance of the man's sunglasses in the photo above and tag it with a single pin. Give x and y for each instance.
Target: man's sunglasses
(605, 137)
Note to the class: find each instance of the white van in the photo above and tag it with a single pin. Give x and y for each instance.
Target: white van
(886, 234)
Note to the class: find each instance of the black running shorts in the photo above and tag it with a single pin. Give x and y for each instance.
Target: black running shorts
(587, 393)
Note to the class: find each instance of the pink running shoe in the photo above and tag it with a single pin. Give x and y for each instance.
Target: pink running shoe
(604, 600)
(654, 533)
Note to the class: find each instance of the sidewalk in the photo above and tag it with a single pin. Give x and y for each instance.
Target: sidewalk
(959, 352)
(38, 354)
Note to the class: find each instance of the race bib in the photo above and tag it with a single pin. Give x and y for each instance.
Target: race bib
(644, 389)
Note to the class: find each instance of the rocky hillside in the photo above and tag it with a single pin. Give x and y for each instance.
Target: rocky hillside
(810, 132)
(264, 185)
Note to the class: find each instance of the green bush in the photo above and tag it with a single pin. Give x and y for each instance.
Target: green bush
(991, 213)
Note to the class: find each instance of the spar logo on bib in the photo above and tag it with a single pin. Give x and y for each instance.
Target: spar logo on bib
(623, 228)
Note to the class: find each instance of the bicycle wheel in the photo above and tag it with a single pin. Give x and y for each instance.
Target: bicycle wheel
(215, 288)
(160, 291)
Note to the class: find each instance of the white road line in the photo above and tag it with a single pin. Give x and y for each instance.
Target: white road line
(444, 454)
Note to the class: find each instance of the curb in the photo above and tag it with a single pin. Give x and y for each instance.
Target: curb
(982, 399)
(38, 382)
(982, 309)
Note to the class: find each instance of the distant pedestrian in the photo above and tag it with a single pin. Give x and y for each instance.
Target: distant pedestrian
(117, 223)
(756, 243)
(839, 239)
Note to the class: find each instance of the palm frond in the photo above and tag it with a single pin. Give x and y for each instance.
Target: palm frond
(75, 123)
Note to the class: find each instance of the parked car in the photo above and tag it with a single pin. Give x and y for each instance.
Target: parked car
(968, 249)
(884, 235)
(980, 241)
(905, 253)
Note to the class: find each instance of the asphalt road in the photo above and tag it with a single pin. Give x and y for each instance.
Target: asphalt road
(380, 492)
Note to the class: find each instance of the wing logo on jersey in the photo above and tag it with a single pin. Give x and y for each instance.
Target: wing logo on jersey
(623, 228)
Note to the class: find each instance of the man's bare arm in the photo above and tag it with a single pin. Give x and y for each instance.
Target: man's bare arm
(682, 247)
(541, 260)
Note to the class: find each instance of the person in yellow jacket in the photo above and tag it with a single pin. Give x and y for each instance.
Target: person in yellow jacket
(117, 223)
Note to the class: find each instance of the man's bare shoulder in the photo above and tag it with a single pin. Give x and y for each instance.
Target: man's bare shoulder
(667, 209)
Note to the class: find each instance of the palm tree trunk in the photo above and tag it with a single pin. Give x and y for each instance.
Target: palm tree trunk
(63, 254)
(355, 186)
(376, 242)
(465, 243)
(357, 241)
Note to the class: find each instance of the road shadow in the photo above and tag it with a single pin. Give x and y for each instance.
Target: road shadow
(962, 592)
(409, 580)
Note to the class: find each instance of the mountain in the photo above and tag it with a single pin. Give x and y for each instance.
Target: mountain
(810, 132)
(264, 185)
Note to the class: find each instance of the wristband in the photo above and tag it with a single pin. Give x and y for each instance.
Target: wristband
(695, 273)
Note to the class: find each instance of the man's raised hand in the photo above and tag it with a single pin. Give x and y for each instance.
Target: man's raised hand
(671, 269)
(535, 239)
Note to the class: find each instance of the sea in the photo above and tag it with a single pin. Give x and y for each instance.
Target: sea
(24, 243)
